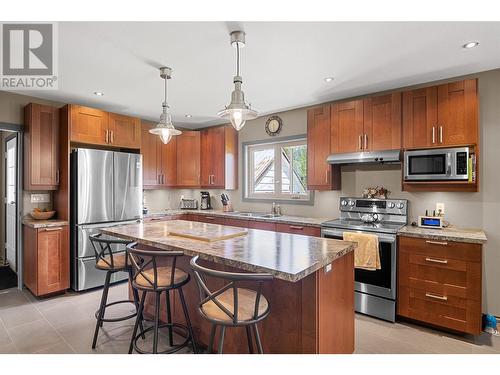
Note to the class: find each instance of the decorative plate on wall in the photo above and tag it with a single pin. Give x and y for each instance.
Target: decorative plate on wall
(274, 125)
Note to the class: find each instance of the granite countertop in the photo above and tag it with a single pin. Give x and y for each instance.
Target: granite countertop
(451, 233)
(289, 257)
(30, 222)
(284, 219)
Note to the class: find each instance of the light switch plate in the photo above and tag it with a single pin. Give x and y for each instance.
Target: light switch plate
(440, 208)
(40, 198)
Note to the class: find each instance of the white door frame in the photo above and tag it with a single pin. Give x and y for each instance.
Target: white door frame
(18, 129)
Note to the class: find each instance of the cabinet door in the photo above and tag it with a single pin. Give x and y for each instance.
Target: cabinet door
(420, 118)
(318, 148)
(168, 174)
(347, 126)
(188, 159)
(151, 163)
(457, 113)
(41, 143)
(207, 158)
(217, 135)
(124, 131)
(382, 122)
(89, 125)
(53, 260)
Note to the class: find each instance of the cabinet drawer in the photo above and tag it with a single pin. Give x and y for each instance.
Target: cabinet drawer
(211, 219)
(446, 311)
(468, 252)
(236, 222)
(261, 225)
(298, 229)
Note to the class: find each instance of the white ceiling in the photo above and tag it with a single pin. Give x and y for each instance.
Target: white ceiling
(283, 64)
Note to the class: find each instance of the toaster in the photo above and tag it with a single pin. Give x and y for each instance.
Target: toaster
(188, 204)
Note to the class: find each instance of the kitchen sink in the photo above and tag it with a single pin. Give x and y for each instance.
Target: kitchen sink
(254, 214)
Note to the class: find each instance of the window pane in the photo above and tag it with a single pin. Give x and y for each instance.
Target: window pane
(263, 170)
(294, 158)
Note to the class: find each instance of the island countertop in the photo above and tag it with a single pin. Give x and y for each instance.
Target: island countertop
(289, 257)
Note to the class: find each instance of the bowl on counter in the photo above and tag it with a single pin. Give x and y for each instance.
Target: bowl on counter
(42, 215)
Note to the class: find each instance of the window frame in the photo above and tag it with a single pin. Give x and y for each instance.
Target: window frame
(248, 195)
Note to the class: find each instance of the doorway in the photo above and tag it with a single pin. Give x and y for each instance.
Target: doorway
(10, 212)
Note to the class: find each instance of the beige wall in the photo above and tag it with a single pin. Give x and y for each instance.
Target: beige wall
(462, 209)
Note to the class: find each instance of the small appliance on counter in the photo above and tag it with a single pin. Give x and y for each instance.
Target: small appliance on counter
(205, 201)
(188, 204)
(436, 222)
(226, 204)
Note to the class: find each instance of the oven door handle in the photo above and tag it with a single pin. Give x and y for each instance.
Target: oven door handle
(340, 233)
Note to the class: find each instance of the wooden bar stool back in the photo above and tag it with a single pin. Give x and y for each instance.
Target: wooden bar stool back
(156, 271)
(232, 305)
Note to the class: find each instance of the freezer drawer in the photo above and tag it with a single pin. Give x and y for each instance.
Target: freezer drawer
(127, 186)
(86, 276)
(83, 246)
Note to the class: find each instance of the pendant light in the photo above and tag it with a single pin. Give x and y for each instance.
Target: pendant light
(165, 129)
(238, 112)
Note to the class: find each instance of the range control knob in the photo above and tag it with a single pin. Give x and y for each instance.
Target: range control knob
(400, 205)
(351, 203)
(390, 204)
(343, 202)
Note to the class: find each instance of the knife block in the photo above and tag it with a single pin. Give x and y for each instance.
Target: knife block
(227, 208)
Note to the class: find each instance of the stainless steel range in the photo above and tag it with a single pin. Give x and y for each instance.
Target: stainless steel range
(375, 291)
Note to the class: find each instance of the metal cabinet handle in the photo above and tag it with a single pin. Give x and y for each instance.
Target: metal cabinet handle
(433, 134)
(296, 227)
(57, 176)
(106, 136)
(437, 243)
(111, 136)
(52, 229)
(366, 141)
(360, 145)
(209, 218)
(326, 175)
(162, 179)
(441, 298)
(441, 134)
(432, 260)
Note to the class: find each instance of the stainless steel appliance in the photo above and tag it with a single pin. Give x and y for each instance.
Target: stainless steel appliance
(374, 291)
(205, 201)
(106, 190)
(364, 157)
(188, 204)
(437, 164)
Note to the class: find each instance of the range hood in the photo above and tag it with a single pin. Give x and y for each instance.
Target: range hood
(389, 156)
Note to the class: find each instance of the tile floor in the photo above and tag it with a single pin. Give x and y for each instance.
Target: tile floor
(65, 324)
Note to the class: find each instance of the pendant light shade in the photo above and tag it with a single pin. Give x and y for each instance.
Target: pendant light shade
(165, 129)
(238, 111)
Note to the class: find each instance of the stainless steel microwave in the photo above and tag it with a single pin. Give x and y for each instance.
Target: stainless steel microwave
(437, 164)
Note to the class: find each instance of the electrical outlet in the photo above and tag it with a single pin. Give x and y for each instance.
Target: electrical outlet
(440, 209)
(40, 198)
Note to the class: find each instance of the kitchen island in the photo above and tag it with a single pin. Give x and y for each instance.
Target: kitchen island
(311, 295)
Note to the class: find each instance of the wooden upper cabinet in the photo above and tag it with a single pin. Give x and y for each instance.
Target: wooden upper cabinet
(159, 161)
(382, 122)
(124, 131)
(457, 116)
(319, 172)
(219, 157)
(96, 127)
(88, 125)
(439, 116)
(347, 127)
(188, 159)
(41, 147)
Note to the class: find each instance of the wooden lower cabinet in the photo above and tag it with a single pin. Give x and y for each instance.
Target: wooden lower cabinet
(439, 283)
(299, 229)
(262, 225)
(46, 259)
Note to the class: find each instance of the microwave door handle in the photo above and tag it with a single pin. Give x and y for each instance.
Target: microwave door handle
(448, 169)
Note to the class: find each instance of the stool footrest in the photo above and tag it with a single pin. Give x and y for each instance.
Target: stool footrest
(172, 349)
(118, 319)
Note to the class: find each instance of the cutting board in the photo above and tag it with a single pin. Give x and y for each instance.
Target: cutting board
(208, 234)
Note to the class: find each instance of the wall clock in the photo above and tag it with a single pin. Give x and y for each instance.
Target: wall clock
(273, 125)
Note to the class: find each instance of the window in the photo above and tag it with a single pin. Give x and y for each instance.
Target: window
(277, 171)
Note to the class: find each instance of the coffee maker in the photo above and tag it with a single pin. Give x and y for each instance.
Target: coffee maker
(205, 201)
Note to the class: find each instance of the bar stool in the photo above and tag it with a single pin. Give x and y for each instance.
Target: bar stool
(232, 306)
(111, 262)
(153, 273)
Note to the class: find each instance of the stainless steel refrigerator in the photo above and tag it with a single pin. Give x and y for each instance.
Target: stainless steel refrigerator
(106, 190)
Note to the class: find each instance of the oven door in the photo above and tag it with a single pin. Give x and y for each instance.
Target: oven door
(381, 283)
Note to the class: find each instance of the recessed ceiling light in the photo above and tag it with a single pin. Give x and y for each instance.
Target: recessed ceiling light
(98, 93)
(188, 116)
(328, 79)
(470, 45)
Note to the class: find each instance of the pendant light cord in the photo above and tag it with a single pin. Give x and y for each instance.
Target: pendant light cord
(237, 59)
(166, 91)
